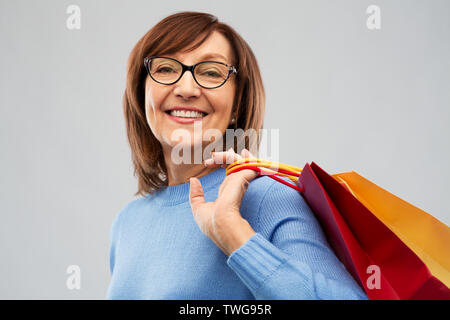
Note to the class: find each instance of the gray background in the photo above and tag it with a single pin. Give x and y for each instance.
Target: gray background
(376, 102)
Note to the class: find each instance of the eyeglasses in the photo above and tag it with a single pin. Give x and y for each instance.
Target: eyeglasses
(207, 74)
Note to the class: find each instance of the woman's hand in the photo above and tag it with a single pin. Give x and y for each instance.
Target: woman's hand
(221, 220)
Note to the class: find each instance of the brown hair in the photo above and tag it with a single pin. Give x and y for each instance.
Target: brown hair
(171, 35)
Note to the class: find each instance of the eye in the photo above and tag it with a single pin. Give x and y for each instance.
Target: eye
(164, 70)
(212, 73)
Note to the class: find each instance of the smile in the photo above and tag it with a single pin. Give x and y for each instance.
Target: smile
(185, 117)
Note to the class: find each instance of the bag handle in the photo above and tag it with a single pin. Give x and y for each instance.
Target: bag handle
(271, 169)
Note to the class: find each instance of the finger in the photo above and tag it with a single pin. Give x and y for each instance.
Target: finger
(223, 158)
(218, 159)
(241, 177)
(210, 163)
(196, 197)
(236, 184)
(246, 154)
(248, 174)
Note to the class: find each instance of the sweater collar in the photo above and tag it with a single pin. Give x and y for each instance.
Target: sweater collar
(177, 194)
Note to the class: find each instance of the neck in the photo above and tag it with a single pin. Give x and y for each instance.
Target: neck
(180, 173)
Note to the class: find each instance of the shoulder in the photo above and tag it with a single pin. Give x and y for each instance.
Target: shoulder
(257, 190)
(269, 203)
(264, 194)
(129, 211)
(265, 189)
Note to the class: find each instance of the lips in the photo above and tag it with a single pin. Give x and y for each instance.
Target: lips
(182, 120)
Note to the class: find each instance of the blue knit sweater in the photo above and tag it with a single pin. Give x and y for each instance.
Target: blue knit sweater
(158, 252)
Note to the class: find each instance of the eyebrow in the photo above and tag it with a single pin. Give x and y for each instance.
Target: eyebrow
(213, 55)
(207, 56)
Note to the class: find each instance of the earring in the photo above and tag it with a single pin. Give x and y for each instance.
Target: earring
(233, 120)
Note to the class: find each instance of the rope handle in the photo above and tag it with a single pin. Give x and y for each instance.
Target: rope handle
(281, 170)
(269, 168)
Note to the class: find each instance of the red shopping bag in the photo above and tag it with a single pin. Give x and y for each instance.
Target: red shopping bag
(364, 244)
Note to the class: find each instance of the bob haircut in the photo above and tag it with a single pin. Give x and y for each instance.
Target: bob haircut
(179, 32)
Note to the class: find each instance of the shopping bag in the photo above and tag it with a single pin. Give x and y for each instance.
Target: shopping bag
(360, 240)
(406, 274)
(421, 232)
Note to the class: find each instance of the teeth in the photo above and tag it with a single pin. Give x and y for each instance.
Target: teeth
(186, 114)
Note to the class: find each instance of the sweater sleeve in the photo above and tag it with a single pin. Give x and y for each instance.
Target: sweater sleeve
(114, 238)
(289, 257)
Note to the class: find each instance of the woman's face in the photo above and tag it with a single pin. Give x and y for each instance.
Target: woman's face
(186, 93)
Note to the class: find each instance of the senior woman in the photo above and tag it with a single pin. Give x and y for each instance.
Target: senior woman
(196, 233)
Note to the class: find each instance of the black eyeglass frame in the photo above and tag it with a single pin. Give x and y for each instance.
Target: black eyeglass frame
(231, 70)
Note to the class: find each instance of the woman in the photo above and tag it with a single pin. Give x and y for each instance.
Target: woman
(196, 233)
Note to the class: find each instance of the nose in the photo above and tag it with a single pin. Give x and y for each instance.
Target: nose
(186, 86)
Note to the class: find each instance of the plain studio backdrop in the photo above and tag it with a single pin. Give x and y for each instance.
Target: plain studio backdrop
(343, 95)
